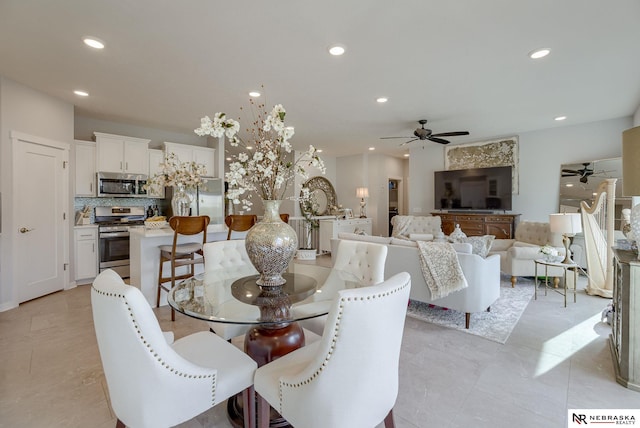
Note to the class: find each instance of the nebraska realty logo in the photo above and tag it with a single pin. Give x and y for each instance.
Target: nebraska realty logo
(599, 417)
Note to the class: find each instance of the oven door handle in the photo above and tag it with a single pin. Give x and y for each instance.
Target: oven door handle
(113, 234)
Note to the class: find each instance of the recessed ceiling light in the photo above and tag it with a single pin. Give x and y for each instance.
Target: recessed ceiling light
(372, 148)
(336, 50)
(319, 150)
(81, 93)
(229, 159)
(382, 100)
(406, 155)
(93, 42)
(249, 147)
(559, 118)
(539, 53)
(254, 94)
(569, 185)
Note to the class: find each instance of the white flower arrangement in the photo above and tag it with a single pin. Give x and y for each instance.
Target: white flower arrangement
(268, 167)
(176, 173)
(548, 250)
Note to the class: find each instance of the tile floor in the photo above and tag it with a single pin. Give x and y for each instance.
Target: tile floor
(556, 358)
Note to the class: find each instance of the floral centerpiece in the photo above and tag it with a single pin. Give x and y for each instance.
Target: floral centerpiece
(550, 253)
(266, 168)
(182, 176)
(310, 210)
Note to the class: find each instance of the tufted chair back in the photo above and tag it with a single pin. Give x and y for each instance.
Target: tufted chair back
(229, 259)
(350, 377)
(365, 260)
(537, 233)
(150, 383)
(225, 254)
(357, 261)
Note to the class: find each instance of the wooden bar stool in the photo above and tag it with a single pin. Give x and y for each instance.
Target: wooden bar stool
(239, 223)
(285, 218)
(182, 254)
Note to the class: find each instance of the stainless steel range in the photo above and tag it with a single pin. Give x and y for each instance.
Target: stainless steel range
(113, 229)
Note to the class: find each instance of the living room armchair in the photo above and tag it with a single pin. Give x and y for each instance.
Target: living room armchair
(517, 255)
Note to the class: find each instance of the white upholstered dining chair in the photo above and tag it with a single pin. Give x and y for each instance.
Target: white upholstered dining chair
(155, 382)
(226, 257)
(363, 261)
(350, 377)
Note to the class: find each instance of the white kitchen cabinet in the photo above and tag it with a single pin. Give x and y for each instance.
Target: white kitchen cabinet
(117, 153)
(86, 248)
(156, 157)
(198, 154)
(85, 168)
(329, 229)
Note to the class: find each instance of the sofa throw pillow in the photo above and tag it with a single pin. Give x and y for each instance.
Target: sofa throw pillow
(480, 245)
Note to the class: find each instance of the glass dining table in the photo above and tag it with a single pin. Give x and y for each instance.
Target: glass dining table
(230, 295)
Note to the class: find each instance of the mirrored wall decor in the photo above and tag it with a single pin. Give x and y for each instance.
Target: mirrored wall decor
(323, 195)
(579, 181)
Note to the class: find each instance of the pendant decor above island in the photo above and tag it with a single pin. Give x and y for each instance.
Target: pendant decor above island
(265, 169)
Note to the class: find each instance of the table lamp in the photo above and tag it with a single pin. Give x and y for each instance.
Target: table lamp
(362, 193)
(631, 177)
(568, 224)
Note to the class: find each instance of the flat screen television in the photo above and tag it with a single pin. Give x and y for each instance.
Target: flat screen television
(474, 189)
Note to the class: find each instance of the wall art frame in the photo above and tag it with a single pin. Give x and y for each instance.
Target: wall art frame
(484, 154)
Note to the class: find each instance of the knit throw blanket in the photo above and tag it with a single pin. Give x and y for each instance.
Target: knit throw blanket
(441, 268)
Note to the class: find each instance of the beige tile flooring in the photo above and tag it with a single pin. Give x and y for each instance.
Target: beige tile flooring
(556, 358)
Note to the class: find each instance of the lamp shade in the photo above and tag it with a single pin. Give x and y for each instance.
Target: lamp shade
(565, 223)
(362, 192)
(631, 162)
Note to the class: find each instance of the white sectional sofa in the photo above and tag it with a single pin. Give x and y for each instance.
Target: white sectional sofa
(482, 274)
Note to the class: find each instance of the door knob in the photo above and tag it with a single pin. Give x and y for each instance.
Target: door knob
(25, 230)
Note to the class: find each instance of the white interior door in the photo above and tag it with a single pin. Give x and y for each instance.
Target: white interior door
(40, 226)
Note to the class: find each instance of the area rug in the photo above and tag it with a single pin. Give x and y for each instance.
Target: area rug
(496, 325)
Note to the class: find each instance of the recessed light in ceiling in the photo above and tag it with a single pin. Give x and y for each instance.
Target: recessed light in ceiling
(81, 93)
(559, 118)
(406, 155)
(382, 100)
(569, 185)
(336, 50)
(372, 148)
(229, 159)
(249, 147)
(539, 53)
(94, 42)
(319, 150)
(254, 94)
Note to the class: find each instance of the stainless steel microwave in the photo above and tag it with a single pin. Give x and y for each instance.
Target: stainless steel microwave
(115, 185)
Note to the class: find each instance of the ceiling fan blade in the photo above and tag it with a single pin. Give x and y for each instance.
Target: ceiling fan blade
(569, 175)
(571, 171)
(438, 140)
(388, 138)
(407, 142)
(450, 134)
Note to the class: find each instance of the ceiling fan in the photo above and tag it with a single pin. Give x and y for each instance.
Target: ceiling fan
(583, 173)
(426, 134)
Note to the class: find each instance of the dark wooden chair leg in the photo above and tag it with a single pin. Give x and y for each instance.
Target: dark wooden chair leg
(388, 420)
(467, 320)
(120, 424)
(249, 407)
(264, 412)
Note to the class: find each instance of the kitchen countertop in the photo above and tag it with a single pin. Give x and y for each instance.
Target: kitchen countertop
(167, 231)
(85, 226)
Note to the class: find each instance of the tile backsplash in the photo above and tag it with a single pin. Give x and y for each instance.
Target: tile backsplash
(80, 203)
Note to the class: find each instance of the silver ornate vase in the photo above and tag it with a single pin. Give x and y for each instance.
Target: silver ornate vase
(271, 244)
(180, 201)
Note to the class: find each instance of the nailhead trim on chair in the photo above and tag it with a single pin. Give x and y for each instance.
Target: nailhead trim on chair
(327, 357)
(154, 353)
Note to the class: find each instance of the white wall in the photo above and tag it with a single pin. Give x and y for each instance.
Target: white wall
(541, 154)
(372, 171)
(35, 113)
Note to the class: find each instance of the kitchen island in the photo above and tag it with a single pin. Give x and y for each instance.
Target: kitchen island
(144, 255)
